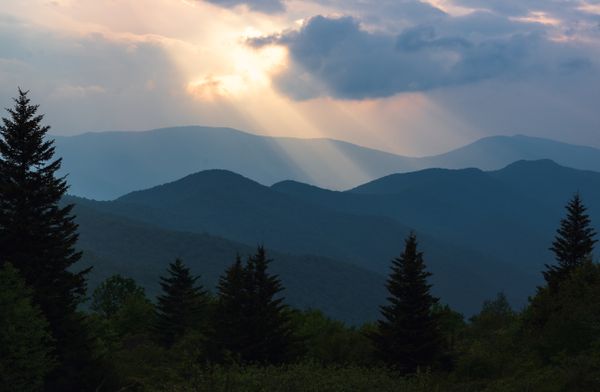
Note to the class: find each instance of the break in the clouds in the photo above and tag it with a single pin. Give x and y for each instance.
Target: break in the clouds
(267, 6)
(337, 57)
(414, 77)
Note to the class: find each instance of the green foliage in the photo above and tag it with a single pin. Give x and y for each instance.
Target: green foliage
(489, 344)
(253, 323)
(132, 322)
(495, 316)
(452, 327)
(408, 336)
(573, 245)
(304, 377)
(136, 316)
(112, 294)
(125, 340)
(183, 305)
(567, 321)
(329, 342)
(26, 345)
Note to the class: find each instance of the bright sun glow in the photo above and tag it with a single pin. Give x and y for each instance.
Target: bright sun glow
(251, 72)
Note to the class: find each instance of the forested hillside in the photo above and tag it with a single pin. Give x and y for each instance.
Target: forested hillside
(148, 307)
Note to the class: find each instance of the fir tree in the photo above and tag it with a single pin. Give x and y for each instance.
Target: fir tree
(38, 236)
(270, 325)
(253, 321)
(182, 307)
(573, 245)
(408, 336)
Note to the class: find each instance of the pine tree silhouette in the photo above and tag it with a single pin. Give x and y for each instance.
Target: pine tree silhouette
(38, 236)
(183, 305)
(573, 244)
(233, 308)
(253, 322)
(408, 336)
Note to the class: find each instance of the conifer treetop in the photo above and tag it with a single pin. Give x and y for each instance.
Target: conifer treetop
(573, 244)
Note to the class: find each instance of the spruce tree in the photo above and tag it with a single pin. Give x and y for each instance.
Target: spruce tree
(408, 336)
(270, 324)
(253, 321)
(573, 244)
(182, 307)
(38, 236)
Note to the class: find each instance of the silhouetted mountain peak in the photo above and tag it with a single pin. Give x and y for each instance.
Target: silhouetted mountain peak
(533, 164)
(214, 176)
(206, 181)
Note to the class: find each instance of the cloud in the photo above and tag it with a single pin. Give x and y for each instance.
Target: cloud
(389, 15)
(570, 17)
(448, 71)
(520, 7)
(265, 6)
(337, 57)
(83, 82)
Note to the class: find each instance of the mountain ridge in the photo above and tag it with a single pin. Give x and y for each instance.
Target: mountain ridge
(232, 206)
(106, 165)
(114, 244)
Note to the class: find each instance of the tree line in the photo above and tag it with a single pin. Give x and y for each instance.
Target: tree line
(244, 336)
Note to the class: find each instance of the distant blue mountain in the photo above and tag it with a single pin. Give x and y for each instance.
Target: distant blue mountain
(510, 213)
(482, 232)
(495, 152)
(110, 164)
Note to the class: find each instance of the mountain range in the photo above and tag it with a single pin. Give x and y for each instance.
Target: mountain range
(107, 165)
(481, 231)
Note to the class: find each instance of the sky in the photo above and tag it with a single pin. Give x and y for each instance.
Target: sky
(406, 76)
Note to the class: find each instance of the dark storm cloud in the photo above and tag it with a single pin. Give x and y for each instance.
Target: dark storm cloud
(265, 6)
(336, 57)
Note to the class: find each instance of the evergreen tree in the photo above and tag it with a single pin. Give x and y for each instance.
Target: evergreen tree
(408, 336)
(182, 307)
(25, 341)
(253, 321)
(232, 308)
(573, 245)
(270, 324)
(38, 236)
